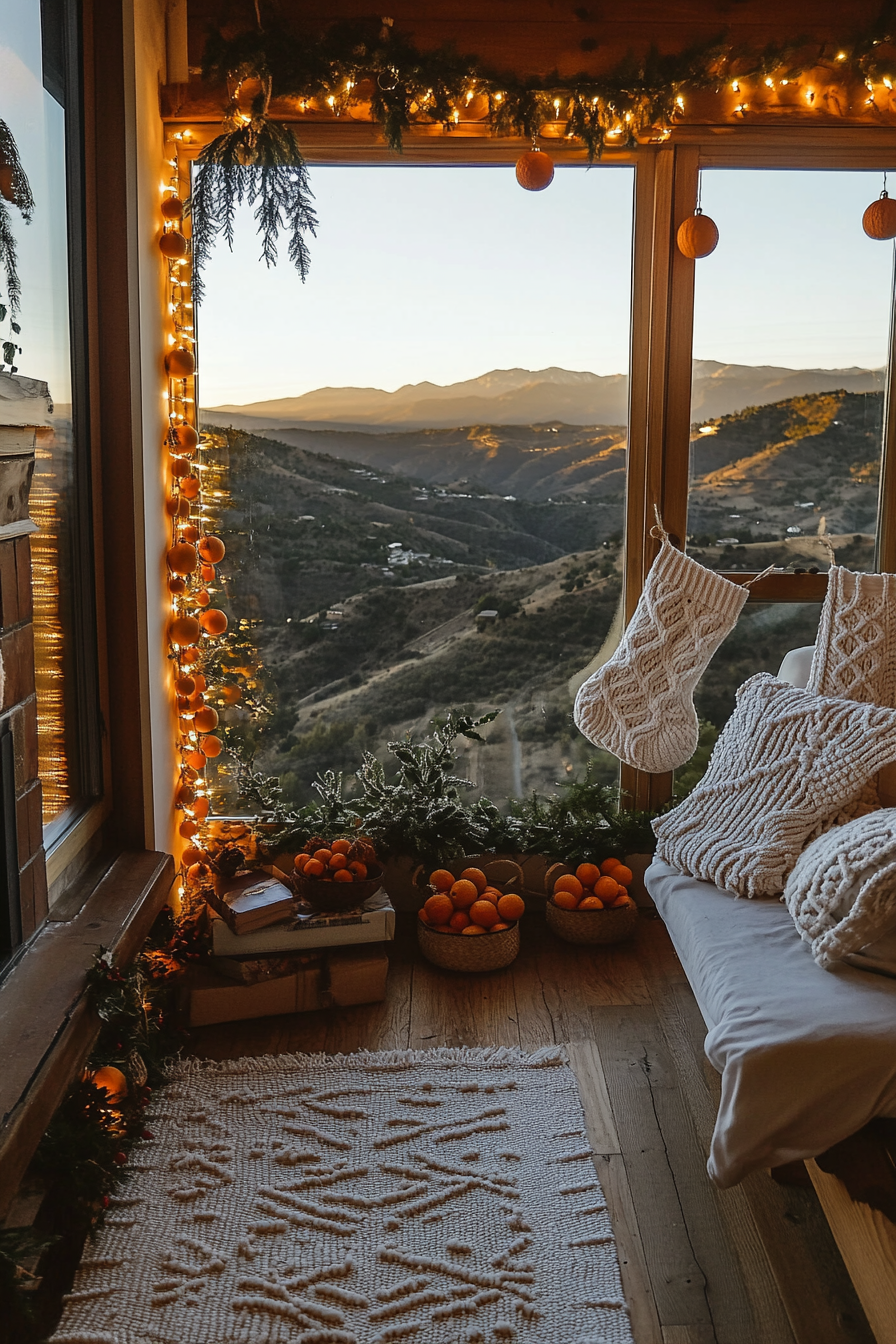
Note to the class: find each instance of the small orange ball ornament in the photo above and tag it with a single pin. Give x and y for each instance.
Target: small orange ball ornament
(535, 170)
(180, 363)
(879, 220)
(184, 439)
(196, 759)
(173, 245)
(182, 558)
(212, 746)
(185, 685)
(112, 1081)
(188, 829)
(191, 534)
(180, 467)
(189, 656)
(212, 550)
(184, 630)
(201, 808)
(206, 572)
(697, 236)
(213, 621)
(172, 207)
(231, 695)
(206, 720)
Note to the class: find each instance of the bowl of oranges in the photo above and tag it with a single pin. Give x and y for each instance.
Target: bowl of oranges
(337, 874)
(591, 904)
(470, 922)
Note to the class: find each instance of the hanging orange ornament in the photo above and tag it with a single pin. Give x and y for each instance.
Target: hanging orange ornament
(184, 439)
(173, 245)
(212, 746)
(213, 621)
(184, 630)
(205, 720)
(879, 220)
(535, 170)
(697, 236)
(212, 550)
(180, 363)
(111, 1080)
(172, 207)
(182, 558)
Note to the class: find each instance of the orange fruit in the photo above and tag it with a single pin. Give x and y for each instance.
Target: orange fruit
(340, 846)
(484, 914)
(313, 868)
(464, 893)
(323, 855)
(608, 865)
(359, 869)
(473, 928)
(476, 876)
(490, 894)
(622, 901)
(441, 879)
(511, 906)
(570, 884)
(623, 891)
(342, 875)
(498, 928)
(423, 916)
(459, 921)
(591, 903)
(565, 899)
(439, 908)
(607, 888)
(300, 861)
(587, 873)
(338, 861)
(622, 875)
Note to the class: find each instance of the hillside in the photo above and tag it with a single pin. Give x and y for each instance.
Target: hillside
(532, 397)
(363, 585)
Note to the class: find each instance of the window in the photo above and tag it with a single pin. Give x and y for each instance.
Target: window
(791, 333)
(427, 461)
(39, 76)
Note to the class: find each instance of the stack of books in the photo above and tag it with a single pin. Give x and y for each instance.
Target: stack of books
(274, 953)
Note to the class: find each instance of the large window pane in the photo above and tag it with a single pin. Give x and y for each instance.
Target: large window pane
(425, 497)
(791, 324)
(33, 84)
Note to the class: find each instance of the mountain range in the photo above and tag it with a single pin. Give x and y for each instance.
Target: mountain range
(533, 397)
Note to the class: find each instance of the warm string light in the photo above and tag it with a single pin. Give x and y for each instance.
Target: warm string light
(193, 553)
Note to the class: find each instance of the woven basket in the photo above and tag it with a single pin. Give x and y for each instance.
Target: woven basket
(334, 896)
(592, 926)
(455, 952)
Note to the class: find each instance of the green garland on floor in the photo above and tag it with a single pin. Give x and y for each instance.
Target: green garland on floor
(371, 62)
(83, 1156)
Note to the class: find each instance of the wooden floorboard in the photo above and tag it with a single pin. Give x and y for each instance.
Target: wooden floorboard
(752, 1265)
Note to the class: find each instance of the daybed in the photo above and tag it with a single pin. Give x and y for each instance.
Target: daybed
(807, 1058)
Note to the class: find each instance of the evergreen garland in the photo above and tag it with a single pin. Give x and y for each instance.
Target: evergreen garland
(369, 61)
(14, 190)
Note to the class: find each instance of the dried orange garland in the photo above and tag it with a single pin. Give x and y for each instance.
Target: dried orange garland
(193, 553)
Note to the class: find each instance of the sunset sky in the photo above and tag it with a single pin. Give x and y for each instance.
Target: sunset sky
(443, 274)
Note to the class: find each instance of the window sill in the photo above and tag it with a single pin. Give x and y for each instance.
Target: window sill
(46, 1025)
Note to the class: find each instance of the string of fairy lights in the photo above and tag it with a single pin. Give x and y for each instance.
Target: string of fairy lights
(194, 551)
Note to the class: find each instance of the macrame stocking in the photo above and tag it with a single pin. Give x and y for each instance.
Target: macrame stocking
(855, 659)
(639, 705)
(855, 650)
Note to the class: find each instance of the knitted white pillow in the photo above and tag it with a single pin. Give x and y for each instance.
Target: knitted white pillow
(786, 760)
(842, 891)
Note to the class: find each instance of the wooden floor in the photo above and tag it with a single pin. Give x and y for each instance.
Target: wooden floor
(753, 1265)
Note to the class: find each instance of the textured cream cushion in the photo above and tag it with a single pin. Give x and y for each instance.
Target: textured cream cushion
(786, 760)
(842, 891)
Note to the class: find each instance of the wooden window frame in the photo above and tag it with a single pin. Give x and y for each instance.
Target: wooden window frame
(662, 310)
(662, 352)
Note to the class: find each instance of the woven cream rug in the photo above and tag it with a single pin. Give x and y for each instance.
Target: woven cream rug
(439, 1197)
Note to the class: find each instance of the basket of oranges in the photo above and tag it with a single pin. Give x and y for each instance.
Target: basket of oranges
(337, 874)
(471, 920)
(591, 904)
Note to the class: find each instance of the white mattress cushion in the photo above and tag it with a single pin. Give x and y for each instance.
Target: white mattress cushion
(807, 1056)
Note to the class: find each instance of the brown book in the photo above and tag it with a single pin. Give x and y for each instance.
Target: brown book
(252, 901)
